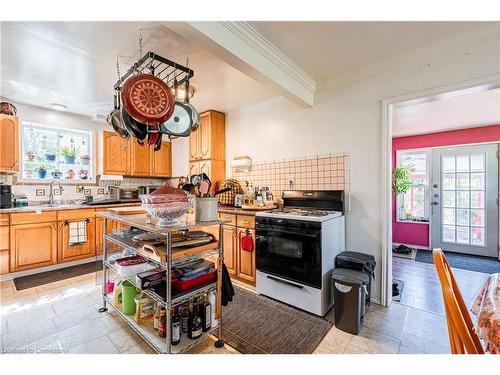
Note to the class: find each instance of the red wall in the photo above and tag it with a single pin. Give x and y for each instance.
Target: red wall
(418, 234)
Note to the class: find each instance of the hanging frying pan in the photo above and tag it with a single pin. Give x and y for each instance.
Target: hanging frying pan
(136, 129)
(195, 117)
(147, 99)
(114, 119)
(157, 145)
(180, 123)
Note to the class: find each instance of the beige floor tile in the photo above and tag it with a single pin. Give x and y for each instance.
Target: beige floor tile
(71, 304)
(33, 315)
(353, 349)
(99, 345)
(375, 342)
(334, 342)
(112, 321)
(124, 338)
(81, 333)
(24, 336)
(141, 348)
(46, 345)
(70, 319)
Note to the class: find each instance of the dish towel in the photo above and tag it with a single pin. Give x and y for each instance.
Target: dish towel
(227, 290)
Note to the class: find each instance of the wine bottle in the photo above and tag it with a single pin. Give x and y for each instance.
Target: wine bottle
(185, 318)
(212, 298)
(176, 327)
(162, 323)
(206, 313)
(195, 324)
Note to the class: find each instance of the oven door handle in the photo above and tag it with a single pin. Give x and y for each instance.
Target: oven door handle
(285, 282)
(265, 231)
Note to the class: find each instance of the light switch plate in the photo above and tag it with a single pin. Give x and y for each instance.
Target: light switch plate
(57, 192)
(100, 191)
(40, 192)
(87, 191)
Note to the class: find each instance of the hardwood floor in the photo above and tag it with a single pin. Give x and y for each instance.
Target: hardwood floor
(422, 289)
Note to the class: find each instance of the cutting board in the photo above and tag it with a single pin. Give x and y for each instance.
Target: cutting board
(257, 208)
(127, 210)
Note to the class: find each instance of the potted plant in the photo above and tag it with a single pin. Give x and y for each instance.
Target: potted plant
(401, 183)
(85, 159)
(50, 154)
(30, 156)
(70, 153)
(41, 171)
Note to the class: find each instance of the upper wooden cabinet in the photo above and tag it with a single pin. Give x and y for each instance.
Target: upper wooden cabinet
(209, 141)
(9, 143)
(135, 160)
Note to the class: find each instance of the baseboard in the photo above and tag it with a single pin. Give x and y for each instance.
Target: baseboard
(13, 275)
(412, 246)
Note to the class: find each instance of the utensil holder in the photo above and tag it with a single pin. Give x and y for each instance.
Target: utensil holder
(205, 209)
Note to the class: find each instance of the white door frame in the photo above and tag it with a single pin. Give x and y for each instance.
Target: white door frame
(386, 160)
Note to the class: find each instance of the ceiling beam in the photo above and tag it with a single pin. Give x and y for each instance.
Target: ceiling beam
(241, 46)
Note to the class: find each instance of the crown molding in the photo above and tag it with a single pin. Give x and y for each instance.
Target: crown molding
(418, 56)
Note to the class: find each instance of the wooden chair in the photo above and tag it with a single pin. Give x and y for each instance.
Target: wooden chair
(463, 338)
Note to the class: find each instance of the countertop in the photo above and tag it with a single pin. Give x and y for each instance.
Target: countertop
(63, 207)
(238, 211)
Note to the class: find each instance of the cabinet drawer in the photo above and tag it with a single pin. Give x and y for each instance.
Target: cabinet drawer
(4, 262)
(75, 214)
(4, 219)
(33, 217)
(230, 217)
(245, 221)
(4, 238)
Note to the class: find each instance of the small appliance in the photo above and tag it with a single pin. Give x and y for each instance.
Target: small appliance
(5, 196)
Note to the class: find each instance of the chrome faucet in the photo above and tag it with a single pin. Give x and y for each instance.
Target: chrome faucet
(51, 190)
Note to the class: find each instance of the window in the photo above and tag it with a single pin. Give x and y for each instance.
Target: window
(49, 152)
(414, 204)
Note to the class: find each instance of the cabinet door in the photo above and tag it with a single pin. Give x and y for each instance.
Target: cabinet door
(205, 135)
(161, 161)
(72, 247)
(194, 168)
(194, 144)
(230, 258)
(139, 159)
(33, 245)
(4, 250)
(246, 259)
(9, 143)
(114, 156)
(206, 167)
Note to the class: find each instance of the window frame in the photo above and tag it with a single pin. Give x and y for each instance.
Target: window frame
(40, 181)
(426, 186)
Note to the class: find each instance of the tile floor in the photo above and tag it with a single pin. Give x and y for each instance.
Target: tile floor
(62, 317)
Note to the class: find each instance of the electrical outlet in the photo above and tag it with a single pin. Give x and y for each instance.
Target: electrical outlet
(100, 191)
(57, 192)
(40, 192)
(80, 189)
(87, 191)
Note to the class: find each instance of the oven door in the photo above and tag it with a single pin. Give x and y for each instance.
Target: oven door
(293, 254)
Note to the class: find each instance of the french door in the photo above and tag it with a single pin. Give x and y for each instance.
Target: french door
(464, 199)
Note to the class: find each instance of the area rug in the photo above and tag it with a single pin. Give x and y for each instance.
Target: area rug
(32, 281)
(405, 256)
(463, 261)
(254, 324)
(400, 286)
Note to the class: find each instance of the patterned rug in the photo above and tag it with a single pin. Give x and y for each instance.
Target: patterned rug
(463, 261)
(254, 324)
(405, 256)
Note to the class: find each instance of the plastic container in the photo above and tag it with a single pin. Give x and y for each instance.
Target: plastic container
(129, 292)
(184, 286)
(205, 209)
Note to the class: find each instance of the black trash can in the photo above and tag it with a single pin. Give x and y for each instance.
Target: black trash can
(360, 262)
(349, 296)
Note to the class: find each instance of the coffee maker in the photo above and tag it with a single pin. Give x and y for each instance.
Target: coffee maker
(5, 196)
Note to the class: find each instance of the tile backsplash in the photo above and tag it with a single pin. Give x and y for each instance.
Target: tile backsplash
(320, 172)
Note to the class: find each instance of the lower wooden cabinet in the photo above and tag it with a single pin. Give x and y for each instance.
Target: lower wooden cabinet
(230, 245)
(246, 259)
(32, 245)
(99, 235)
(77, 243)
(4, 250)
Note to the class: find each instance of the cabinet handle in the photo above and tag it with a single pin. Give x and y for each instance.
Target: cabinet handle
(65, 222)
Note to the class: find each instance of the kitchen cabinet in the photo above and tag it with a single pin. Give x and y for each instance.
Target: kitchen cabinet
(230, 244)
(9, 144)
(161, 161)
(215, 169)
(139, 160)
(113, 157)
(76, 235)
(32, 245)
(4, 244)
(99, 234)
(246, 259)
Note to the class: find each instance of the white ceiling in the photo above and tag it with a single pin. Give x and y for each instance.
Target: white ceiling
(464, 110)
(326, 49)
(74, 63)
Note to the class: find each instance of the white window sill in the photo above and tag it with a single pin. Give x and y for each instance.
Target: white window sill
(412, 222)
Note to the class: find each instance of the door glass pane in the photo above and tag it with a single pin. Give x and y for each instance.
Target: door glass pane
(448, 233)
(449, 216)
(462, 217)
(449, 181)
(477, 218)
(462, 181)
(477, 236)
(477, 199)
(448, 199)
(448, 164)
(418, 201)
(477, 181)
(463, 199)
(463, 235)
(463, 163)
(477, 163)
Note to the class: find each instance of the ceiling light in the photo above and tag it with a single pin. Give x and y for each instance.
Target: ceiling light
(58, 107)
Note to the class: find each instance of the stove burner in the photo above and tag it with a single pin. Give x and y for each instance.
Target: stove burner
(305, 212)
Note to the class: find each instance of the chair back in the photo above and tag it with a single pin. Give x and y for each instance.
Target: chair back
(463, 338)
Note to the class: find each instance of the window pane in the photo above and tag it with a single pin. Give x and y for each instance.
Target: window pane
(462, 217)
(463, 235)
(463, 163)
(477, 181)
(449, 181)
(477, 236)
(462, 181)
(477, 163)
(477, 199)
(448, 199)
(448, 233)
(418, 208)
(448, 164)
(477, 217)
(449, 216)
(463, 199)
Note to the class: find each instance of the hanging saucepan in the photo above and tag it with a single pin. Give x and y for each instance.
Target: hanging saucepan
(147, 99)
(180, 123)
(135, 128)
(114, 119)
(157, 145)
(195, 117)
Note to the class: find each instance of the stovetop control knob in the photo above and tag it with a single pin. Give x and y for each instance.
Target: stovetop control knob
(281, 221)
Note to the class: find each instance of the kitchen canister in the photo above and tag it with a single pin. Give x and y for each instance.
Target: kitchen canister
(128, 294)
(205, 209)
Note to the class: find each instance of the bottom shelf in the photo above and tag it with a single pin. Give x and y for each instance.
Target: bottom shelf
(149, 334)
